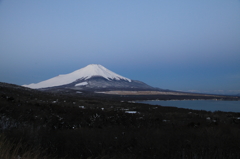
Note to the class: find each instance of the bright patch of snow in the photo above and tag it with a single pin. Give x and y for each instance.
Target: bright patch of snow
(82, 74)
(81, 84)
(78, 92)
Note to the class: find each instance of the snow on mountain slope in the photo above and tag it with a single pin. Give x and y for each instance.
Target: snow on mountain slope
(81, 84)
(81, 74)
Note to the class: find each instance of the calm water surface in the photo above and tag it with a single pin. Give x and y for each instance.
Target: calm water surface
(209, 105)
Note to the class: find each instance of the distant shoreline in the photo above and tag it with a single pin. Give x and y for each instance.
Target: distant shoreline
(157, 95)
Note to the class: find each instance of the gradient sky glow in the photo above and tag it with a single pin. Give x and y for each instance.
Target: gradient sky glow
(180, 45)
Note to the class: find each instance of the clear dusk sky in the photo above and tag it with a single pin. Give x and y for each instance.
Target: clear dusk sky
(188, 45)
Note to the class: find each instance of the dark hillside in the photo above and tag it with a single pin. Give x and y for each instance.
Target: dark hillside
(86, 125)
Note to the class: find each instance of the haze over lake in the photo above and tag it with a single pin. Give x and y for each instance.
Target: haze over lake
(208, 105)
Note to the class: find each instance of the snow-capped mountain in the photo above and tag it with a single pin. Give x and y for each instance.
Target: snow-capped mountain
(91, 77)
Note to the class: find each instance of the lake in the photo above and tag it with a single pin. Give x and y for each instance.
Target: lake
(208, 105)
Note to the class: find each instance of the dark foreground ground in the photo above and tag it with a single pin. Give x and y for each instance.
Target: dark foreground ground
(36, 124)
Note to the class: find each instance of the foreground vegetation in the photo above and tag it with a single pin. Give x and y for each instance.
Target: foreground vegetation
(37, 124)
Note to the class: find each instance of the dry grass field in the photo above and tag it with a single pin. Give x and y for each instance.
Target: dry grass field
(35, 124)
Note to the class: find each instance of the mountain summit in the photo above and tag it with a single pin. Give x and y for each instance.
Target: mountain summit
(91, 77)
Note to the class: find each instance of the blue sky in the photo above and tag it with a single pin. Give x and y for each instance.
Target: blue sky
(180, 45)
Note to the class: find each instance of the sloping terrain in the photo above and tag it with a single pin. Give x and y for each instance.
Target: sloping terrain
(96, 84)
(91, 78)
(67, 126)
(83, 74)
